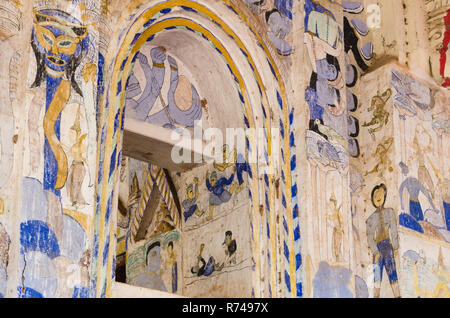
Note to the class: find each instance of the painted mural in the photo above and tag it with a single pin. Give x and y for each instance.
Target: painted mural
(148, 227)
(154, 265)
(277, 18)
(54, 247)
(156, 249)
(423, 128)
(382, 237)
(425, 269)
(215, 239)
(180, 106)
(408, 172)
(60, 155)
(338, 53)
(376, 208)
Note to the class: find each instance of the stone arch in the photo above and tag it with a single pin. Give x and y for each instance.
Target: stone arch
(261, 90)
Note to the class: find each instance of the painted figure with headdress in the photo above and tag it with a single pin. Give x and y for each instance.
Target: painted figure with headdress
(59, 42)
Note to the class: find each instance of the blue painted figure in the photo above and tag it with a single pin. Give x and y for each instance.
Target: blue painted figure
(151, 278)
(219, 194)
(59, 42)
(414, 188)
(201, 268)
(382, 237)
(190, 206)
(184, 105)
(154, 76)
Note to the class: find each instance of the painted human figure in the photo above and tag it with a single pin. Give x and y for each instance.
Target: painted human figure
(172, 263)
(151, 278)
(219, 194)
(230, 248)
(383, 162)
(380, 115)
(190, 204)
(279, 27)
(444, 190)
(420, 151)
(184, 106)
(278, 16)
(323, 39)
(338, 230)
(351, 43)
(199, 267)
(382, 237)
(59, 44)
(77, 169)
(326, 95)
(203, 268)
(414, 188)
(154, 76)
(446, 202)
(241, 167)
(228, 159)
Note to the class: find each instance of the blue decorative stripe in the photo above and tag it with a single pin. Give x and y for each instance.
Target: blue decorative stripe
(119, 87)
(294, 190)
(264, 111)
(280, 100)
(297, 233)
(270, 64)
(105, 251)
(293, 162)
(291, 117)
(295, 211)
(112, 167)
(136, 37)
(298, 261)
(299, 290)
(188, 9)
(286, 251)
(281, 129)
(285, 225)
(287, 280)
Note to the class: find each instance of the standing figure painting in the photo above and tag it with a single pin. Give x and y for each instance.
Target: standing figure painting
(172, 263)
(190, 204)
(382, 237)
(59, 42)
(77, 169)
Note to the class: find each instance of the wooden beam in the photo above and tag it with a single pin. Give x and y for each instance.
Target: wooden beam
(154, 144)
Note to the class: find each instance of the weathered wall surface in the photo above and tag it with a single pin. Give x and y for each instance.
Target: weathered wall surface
(49, 145)
(313, 71)
(354, 244)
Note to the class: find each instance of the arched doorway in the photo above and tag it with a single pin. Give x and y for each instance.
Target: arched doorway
(233, 47)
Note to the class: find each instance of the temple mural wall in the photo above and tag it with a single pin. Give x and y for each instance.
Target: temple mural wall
(357, 204)
(354, 246)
